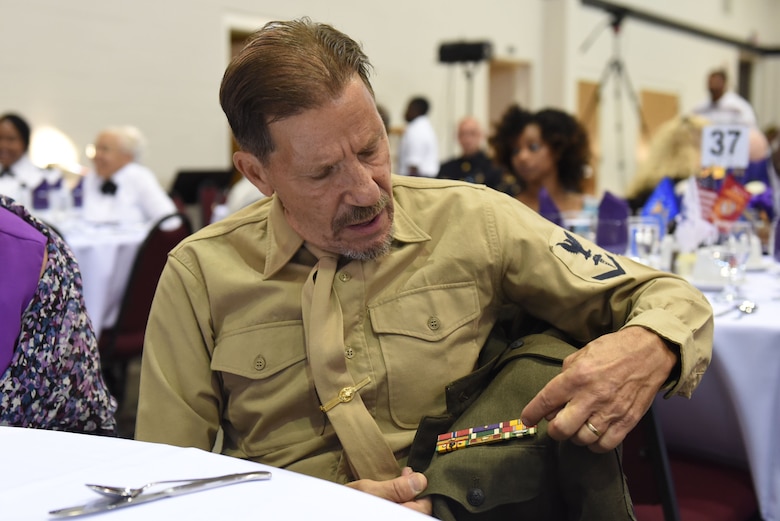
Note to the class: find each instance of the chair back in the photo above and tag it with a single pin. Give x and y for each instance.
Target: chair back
(125, 340)
(209, 195)
(647, 471)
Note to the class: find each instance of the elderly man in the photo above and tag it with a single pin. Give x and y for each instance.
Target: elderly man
(473, 165)
(316, 327)
(119, 188)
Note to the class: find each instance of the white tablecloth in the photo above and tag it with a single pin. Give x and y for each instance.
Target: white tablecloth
(105, 255)
(734, 415)
(46, 470)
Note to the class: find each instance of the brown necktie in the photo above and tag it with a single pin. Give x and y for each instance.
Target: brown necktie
(362, 441)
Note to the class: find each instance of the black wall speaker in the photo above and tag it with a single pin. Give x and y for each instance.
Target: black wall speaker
(465, 52)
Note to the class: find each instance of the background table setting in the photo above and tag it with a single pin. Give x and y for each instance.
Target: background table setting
(48, 470)
(734, 414)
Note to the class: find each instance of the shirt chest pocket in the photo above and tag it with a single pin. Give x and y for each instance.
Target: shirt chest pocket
(268, 395)
(428, 339)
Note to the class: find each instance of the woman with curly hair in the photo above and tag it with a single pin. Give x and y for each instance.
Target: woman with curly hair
(547, 149)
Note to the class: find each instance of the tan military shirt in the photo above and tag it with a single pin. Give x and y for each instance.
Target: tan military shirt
(225, 343)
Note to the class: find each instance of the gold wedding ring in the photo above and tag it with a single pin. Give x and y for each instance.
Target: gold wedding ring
(593, 429)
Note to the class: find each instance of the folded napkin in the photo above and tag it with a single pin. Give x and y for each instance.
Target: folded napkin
(548, 208)
(40, 196)
(612, 227)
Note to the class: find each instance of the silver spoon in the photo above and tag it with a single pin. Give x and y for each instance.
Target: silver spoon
(127, 492)
(130, 493)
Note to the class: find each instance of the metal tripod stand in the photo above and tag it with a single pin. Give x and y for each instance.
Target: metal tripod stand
(615, 67)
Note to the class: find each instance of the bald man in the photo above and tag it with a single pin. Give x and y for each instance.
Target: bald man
(473, 165)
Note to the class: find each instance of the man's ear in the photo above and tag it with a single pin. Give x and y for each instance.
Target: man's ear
(254, 171)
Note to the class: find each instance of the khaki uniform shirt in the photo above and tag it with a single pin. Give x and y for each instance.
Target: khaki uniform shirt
(225, 341)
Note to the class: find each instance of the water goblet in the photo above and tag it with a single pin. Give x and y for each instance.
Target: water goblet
(730, 251)
(644, 239)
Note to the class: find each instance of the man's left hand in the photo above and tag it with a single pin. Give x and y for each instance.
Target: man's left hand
(604, 389)
(402, 490)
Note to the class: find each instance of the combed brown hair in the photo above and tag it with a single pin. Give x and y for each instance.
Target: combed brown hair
(284, 69)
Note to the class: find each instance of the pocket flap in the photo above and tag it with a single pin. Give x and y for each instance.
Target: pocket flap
(430, 313)
(483, 478)
(240, 353)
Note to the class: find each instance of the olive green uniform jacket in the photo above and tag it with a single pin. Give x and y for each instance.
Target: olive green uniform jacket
(225, 345)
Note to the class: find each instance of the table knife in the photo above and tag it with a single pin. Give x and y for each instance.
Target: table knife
(104, 505)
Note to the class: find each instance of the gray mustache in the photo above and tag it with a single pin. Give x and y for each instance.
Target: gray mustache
(360, 214)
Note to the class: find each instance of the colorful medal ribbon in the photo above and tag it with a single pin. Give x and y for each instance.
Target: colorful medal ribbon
(496, 432)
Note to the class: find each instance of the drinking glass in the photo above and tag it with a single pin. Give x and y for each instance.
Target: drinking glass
(581, 223)
(730, 251)
(644, 239)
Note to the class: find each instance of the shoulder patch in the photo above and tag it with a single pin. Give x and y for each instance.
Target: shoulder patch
(583, 258)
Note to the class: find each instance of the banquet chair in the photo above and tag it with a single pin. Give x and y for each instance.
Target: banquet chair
(209, 195)
(124, 341)
(670, 486)
(649, 477)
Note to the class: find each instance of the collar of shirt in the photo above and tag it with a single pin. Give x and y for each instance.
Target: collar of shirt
(284, 242)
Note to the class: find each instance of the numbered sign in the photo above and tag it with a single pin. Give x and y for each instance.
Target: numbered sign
(725, 146)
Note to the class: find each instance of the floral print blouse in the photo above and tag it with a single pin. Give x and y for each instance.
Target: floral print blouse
(54, 380)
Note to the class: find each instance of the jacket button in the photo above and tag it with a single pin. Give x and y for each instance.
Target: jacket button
(433, 323)
(344, 276)
(259, 363)
(475, 497)
(349, 352)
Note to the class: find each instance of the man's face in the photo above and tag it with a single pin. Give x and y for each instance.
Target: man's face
(716, 86)
(469, 137)
(109, 156)
(331, 172)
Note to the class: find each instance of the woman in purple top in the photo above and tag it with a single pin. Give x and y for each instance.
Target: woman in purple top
(49, 363)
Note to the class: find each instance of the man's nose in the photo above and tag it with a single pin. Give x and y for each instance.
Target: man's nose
(361, 189)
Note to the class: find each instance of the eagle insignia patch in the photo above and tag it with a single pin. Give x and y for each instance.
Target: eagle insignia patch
(584, 258)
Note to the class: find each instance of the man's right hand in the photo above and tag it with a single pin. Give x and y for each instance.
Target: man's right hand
(402, 490)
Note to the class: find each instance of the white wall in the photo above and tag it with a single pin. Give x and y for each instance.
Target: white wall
(81, 65)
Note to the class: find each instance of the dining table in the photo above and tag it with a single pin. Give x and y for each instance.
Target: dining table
(734, 414)
(105, 252)
(44, 471)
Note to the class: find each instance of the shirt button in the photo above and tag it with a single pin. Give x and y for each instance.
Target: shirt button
(349, 352)
(433, 323)
(259, 363)
(344, 276)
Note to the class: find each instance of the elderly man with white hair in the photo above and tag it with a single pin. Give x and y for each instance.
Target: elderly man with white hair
(119, 188)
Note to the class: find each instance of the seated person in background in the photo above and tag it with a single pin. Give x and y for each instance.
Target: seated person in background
(18, 175)
(473, 165)
(236, 338)
(546, 150)
(674, 152)
(119, 189)
(49, 364)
